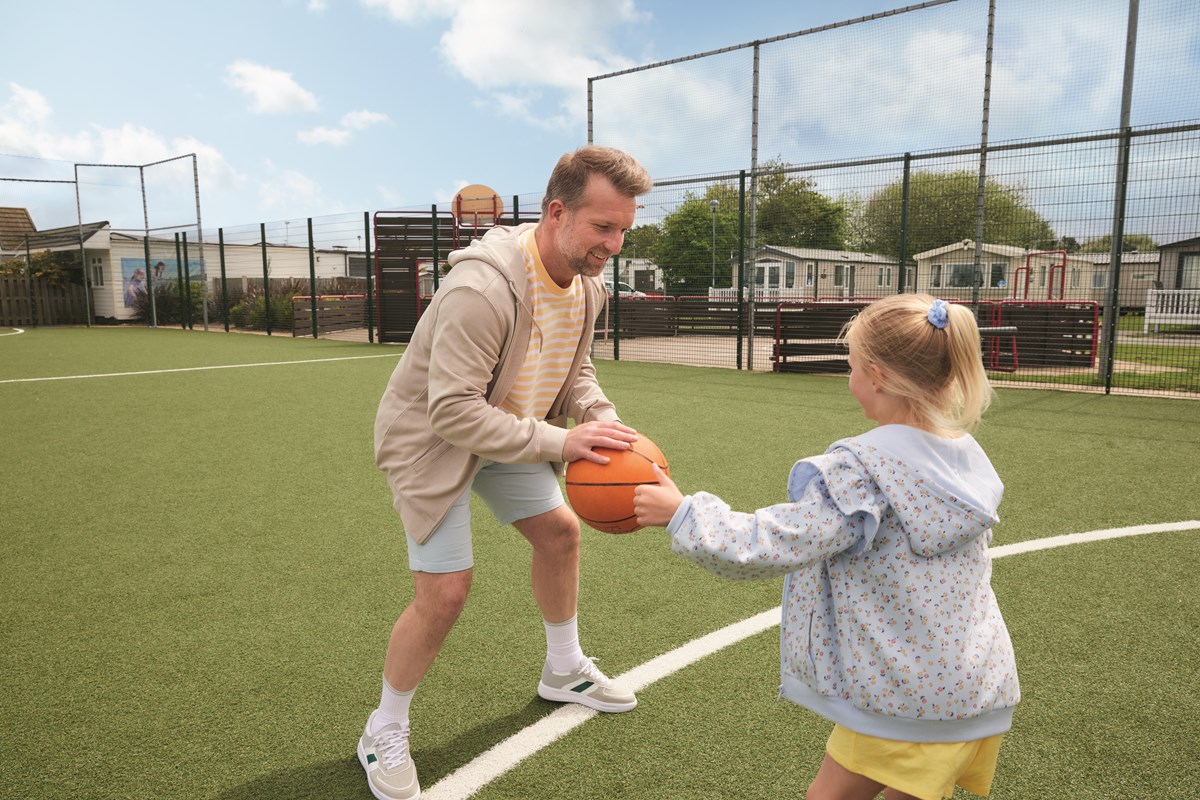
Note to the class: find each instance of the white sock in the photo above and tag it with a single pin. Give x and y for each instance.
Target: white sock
(393, 707)
(562, 645)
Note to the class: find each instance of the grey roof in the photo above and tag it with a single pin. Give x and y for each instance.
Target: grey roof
(61, 238)
(816, 254)
(1182, 243)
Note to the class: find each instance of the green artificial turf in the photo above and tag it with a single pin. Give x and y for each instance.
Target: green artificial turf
(199, 571)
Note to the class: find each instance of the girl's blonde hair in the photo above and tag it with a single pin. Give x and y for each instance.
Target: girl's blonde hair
(936, 371)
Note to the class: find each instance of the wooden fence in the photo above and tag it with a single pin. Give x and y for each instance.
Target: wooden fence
(342, 312)
(28, 302)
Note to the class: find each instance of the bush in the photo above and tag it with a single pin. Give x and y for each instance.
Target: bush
(168, 306)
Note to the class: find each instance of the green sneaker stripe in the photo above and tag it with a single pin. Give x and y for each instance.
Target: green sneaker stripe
(371, 759)
(583, 687)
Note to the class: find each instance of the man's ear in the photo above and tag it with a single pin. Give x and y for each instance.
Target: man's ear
(555, 210)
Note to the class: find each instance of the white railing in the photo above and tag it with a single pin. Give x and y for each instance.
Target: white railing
(1171, 307)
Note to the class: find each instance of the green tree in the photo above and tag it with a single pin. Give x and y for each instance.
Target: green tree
(685, 251)
(61, 268)
(941, 211)
(1130, 243)
(642, 241)
(790, 213)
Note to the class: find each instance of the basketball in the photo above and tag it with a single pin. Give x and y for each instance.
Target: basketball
(602, 494)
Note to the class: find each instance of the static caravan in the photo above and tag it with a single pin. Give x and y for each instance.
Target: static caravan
(1006, 272)
(801, 273)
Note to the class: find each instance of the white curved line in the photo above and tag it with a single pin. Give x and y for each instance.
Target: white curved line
(193, 369)
(486, 767)
(14, 332)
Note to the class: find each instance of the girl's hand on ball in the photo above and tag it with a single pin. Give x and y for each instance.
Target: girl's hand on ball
(655, 505)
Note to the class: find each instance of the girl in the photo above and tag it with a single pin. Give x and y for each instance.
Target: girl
(890, 628)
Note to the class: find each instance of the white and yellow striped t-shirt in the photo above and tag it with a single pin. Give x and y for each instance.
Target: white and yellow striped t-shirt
(557, 325)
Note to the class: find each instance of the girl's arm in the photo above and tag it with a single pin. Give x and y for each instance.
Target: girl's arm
(772, 541)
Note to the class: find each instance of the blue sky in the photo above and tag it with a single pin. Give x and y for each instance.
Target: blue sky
(299, 108)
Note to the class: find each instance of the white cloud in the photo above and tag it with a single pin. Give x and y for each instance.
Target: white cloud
(523, 45)
(351, 122)
(271, 90)
(26, 129)
(360, 120)
(317, 6)
(290, 189)
(544, 42)
(410, 10)
(323, 135)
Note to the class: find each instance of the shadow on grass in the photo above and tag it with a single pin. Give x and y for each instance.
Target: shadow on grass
(343, 777)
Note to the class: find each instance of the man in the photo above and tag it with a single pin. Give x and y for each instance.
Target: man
(478, 404)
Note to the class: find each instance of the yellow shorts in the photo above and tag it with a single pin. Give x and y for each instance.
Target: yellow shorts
(928, 770)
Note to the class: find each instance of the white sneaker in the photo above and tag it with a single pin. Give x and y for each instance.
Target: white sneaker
(391, 773)
(585, 685)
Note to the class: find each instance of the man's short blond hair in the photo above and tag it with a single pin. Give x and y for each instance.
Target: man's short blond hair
(568, 181)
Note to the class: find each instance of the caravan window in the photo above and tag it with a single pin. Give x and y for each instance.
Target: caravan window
(791, 275)
(998, 271)
(809, 273)
(963, 275)
(1189, 271)
(935, 276)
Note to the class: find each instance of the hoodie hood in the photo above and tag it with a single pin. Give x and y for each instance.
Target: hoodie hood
(496, 248)
(949, 500)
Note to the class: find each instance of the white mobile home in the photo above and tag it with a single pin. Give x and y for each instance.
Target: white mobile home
(804, 273)
(1006, 272)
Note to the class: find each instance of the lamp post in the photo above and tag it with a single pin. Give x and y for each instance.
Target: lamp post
(713, 205)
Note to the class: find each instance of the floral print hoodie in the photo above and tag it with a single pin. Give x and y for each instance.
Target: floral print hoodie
(889, 626)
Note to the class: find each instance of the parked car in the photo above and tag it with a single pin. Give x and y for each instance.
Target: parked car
(626, 289)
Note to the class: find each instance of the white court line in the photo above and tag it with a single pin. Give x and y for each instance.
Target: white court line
(13, 332)
(195, 369)
(486, 767)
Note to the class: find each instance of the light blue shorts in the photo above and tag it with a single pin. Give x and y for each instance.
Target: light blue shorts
(511, 492)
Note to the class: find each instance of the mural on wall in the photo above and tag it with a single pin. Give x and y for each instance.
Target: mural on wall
(134, 275)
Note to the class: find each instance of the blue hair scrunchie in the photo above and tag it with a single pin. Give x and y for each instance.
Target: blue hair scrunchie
(938, 314)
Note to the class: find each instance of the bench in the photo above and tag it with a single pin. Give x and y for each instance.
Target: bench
(1171, 307)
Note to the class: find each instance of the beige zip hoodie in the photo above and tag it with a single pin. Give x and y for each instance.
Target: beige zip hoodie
(439, 419)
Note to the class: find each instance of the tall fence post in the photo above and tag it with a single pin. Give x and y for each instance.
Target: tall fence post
(741, 281)
(187, 285)
(150, 288)
(980, 197)
(903, 250)
(436, 251)
(262, 231)
(370, 271)
(1112, 307)
(312, 279)
(224, 281)
(179, 282)
(33, 309)
(616, 304)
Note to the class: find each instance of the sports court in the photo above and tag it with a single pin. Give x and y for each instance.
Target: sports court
(200, 558)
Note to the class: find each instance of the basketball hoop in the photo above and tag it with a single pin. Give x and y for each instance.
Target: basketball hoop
(476, 206)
